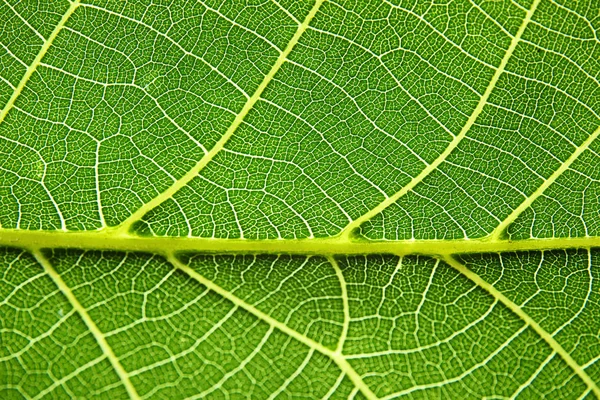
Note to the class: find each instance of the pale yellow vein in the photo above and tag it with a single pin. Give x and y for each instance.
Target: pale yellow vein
(338, 358)
(192, 173)
(89, 322)
(38, 59)
(497, 233)
(545, 335)
(349, 229)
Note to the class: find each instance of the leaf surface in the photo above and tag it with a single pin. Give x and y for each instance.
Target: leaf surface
(278, 199)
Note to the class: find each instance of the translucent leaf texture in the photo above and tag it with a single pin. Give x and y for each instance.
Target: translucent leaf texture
(280, 199)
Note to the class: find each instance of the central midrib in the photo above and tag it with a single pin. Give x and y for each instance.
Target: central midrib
(114, 240)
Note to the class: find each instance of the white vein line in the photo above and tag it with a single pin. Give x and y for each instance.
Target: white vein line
(335, 386)
(360, 110)
(3, 79)
(104, 46)
(556, 89)
(581, 17)
(234, 23)
(446, 340)
(28, 73)
(584, 394)
(173, 358)
(584, 303)
(282, 282)
(546, 125)
(13, 56)
(345, 305)
(293, 165)
(31, 68)
(293, 376)
(464, 373)
(135, 86)
(347, 231)
(566, 35)
(417, 311)
(237, 369)
(168, 38)
(560, 55)
(591, 362)
(488, 16)
(44, 188)
(535, 374)
(60, 382)
(394, 78)
(91, 325)
(24, 21)
(434, 29)
(328, 144)
(285, 10)
(266, 194)
(32, 341)
(97, 186)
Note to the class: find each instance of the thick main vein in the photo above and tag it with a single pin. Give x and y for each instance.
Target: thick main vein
(545, 335)
(38, 59)
(89, 322)
(107, 240)
(336, 356)
(495, 235)
(192, 173)
(347, 231)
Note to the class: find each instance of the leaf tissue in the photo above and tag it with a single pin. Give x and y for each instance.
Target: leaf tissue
(368, 199)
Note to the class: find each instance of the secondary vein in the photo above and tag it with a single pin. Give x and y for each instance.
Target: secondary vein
(348, 230)
(336, 356)
(495, 235)
(192, 173)
(36, 62)
(89, 322)
(545, 335)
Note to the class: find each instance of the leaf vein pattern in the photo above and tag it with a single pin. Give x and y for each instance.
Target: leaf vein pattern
(547, 337)
(334, 355)
(353, 351)
(167, 194)
(349, 229)
(98, 335)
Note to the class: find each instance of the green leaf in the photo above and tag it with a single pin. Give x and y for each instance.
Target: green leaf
(280, 199)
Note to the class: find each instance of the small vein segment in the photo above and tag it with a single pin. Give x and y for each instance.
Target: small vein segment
(349, 229)
(546, 336)
(345, 305)
(497, 233)
(192, 173)
(38, 59)
(338, 358)
(96, 332)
